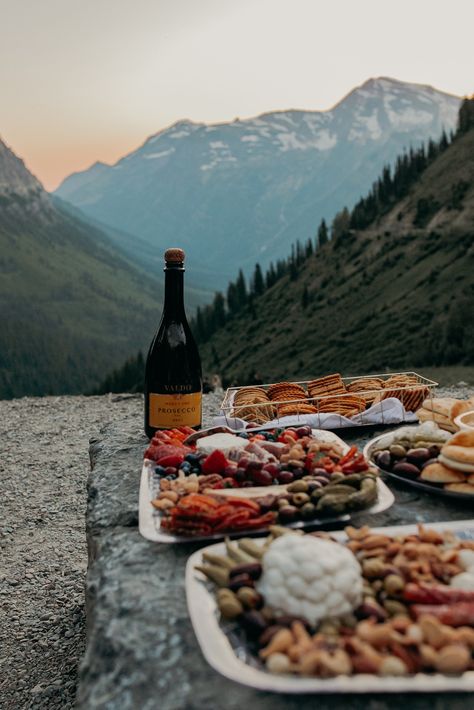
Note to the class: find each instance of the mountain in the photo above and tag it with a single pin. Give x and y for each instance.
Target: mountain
(235, 193)
(72, 306)
(396, 294)
(199, 287)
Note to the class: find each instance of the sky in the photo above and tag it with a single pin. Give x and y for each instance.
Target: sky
(87, 80)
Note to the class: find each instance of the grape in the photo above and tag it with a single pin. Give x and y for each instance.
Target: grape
(272, 468)
(262, 478)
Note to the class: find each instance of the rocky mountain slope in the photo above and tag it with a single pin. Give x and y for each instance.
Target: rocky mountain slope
(236, 193)
(396, 294)
(71, 305)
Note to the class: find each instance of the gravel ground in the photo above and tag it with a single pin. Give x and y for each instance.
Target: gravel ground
(43, 471)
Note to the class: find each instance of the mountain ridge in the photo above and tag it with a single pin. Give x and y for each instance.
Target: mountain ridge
(72, 305)
(247, 189)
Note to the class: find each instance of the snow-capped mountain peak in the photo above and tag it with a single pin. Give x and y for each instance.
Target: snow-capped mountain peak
(261, 182)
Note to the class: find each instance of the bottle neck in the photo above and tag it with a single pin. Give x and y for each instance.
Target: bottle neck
(174, 293)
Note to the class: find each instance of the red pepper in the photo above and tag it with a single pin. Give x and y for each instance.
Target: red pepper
(244, 502)
(327, 464)
(436, 594)
(233, 520)
(458, 614)
(348, 456)
(261, 522)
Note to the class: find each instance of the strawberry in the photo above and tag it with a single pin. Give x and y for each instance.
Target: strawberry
(214, 463)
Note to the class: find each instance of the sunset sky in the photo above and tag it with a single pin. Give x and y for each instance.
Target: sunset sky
(87, 80)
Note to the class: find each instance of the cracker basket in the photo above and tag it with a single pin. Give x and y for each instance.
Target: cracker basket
(381, 413)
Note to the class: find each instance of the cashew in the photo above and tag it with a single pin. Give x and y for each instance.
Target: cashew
(282, 641)
(336, 663)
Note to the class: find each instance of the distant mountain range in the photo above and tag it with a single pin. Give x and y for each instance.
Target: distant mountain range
(72, 306)
(234, 194)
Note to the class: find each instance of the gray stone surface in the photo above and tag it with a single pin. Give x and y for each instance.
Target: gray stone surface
(141, 650)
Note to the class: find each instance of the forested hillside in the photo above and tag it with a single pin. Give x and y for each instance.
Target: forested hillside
(388, 284)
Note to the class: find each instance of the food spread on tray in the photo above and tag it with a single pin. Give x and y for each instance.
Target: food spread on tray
(429, 455)
(330, 394)
(302, 478)
(307, 605)
(444, 411)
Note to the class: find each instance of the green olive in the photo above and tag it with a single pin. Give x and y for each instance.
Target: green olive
(299, 499)
(298, 487)
(308, 511)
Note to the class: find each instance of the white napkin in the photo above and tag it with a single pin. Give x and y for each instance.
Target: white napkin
(389, 411)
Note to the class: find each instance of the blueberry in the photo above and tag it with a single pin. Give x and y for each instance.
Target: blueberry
(171, 477)
(185, 466)
(192, 459)
(195, 469)
(159, 470)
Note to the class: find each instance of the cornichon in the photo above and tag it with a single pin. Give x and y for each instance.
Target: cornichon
(216, 574)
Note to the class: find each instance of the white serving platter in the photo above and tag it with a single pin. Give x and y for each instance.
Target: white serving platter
(149, 519)
(231, 662)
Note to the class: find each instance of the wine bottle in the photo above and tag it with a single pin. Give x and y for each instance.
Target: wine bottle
(173, 379)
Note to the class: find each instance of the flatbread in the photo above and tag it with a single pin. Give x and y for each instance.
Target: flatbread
(438, 473)
(440, 405)
(460, 488)
(461, 406)
(426, 415)
(460, 454)
(463, 438)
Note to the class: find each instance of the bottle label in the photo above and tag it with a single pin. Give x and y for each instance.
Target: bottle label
(174, 410)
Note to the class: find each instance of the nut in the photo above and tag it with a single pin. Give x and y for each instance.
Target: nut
(392, 665)
(393, 584)
(278, 663)
(373, 567)
(453, 659)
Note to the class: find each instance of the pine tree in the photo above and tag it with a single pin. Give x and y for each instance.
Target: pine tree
(258, 285)
(233, 304)
(219, 314)
(322, 234)
(271, 276)
(241, 289)
(466, 115)
(340, 224)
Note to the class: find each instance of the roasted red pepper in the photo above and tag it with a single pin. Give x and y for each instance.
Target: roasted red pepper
(457, 614)
(436, 594)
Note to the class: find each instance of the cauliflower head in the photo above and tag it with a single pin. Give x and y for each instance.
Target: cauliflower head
(310, 577)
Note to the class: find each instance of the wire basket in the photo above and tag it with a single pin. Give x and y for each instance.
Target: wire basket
(379, 407)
